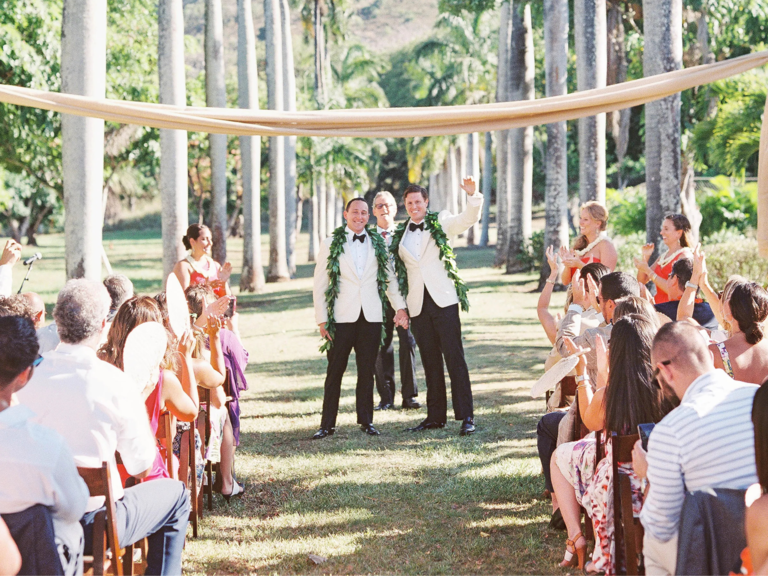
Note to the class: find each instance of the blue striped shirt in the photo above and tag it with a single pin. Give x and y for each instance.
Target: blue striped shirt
(706, 442)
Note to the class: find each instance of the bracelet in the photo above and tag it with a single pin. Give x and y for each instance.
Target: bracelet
(654, 276)
(580, 386)
(690, 284)
(553, 282)
(581, 378)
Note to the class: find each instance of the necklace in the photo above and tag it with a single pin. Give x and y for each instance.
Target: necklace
(196, 266)
(602, 236)
(669, 257)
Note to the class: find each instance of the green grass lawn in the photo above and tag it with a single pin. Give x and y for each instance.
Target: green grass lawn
(402, 502)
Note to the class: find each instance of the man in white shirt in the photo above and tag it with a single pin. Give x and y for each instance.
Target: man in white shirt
(10, 255)
(706, 442)
(98, 411)
(357, 313)
(47, 336)
(37, 466)
(384, 210)
(433, 301)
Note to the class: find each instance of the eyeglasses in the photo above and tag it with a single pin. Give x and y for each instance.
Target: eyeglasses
(385, 205)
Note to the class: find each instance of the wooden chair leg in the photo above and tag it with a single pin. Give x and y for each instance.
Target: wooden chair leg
(128, 568)
(628, 525)
(192, 470)
(99, 543)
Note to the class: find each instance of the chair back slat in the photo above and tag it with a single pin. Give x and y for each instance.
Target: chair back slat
(165, 433)
(625, 555)
(99, 483)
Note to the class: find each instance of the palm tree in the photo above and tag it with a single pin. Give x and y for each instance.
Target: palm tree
(289, 94)
(663, 30)
(83, 47)
(503, 176)
(252, 277)
(590, 35)
(216, 96)
(556, 191)
(278, 263)
(173, 143)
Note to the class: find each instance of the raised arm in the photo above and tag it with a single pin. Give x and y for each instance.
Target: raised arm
(455, 225)
(548, 321)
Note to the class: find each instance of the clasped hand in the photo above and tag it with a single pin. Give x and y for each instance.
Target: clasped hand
(401, 319)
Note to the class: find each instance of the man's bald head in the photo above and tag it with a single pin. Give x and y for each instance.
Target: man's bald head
(37, 306)
(681, 355)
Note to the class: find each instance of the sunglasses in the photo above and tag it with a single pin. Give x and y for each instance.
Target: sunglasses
(37, 361)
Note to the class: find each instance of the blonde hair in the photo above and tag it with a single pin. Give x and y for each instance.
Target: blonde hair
(598, 212)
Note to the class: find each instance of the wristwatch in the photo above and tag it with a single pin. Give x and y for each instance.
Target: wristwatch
(690, 284)
(581, 378)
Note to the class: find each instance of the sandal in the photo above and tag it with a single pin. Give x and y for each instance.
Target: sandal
(574, 555)
(237, 490)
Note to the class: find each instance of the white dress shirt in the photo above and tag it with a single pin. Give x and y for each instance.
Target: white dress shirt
(413, 239)
(386, 233)
(358, 250)
(95, 407)
(706, 442)
(6, 280)
(38, 468)
(48, 338)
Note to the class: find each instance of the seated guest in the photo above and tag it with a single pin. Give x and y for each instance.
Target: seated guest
(37, 465)
(757, 513)
(679, 279)
(627, 396)
(47, 336)
(8, 258)
(15, 305)
(744, 356)
(97, 410)
(177, 394)
(10, 559)
(120, 289)
(706, 442)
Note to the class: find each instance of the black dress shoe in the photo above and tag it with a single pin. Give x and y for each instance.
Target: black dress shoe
(384, 406)
(467, 427)
(369, 429)
(322, 433)
(427, 425)
(410, 404)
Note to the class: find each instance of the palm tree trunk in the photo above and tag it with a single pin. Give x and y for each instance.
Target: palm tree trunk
(591, 64)
(289, 93)
(173, 143)
(322, 207)
(663, 53)
(503, 176)
(618, 120)
(521, 79)
(453, 180)
(487, 168)
(252, 278)
(216, 96)
(83, 72)
(330, 207)
(556, 190)
(278, 264)
(314, 228)
(473, 169)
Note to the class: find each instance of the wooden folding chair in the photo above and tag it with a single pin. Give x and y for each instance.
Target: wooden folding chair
(205, 401)
(579, 431)
(628, 533)
(105, 535)
(189, 476)
(165, 432)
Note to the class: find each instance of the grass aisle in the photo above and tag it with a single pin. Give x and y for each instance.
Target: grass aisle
(399, 503)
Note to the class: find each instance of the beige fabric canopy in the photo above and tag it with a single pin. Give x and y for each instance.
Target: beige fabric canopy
(411, 122)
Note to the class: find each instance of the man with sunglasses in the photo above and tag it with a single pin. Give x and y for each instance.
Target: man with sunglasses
(705, 443)
(385, 210)
(38, 468)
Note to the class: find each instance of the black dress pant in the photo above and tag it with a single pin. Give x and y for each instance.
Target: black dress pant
(438, 335)
(546, 441)
(364, 337)
(385, 362)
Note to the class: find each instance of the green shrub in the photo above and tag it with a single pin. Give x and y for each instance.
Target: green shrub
(626, 210)
(532, 254)
(735, 257)
(724, 205)
(628, 247)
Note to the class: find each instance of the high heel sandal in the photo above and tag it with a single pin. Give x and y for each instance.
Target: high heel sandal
(237, 490)
(574, 555)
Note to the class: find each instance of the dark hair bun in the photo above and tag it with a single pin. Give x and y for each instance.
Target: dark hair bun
(186, 243)
(754, 333)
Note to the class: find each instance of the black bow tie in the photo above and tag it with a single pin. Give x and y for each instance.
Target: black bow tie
(413, 227)
(361, 238)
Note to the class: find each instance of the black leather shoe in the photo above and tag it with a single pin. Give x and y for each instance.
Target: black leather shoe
(467, 427)
(427, 425)
(369, 429)
(384, 406)
(410, 404)
(322, 433)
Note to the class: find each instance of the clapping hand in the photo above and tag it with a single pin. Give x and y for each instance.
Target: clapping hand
(594, 292)
(218, 307)
(699, 265)
(11, 253)
(574, 350)
(569, 259)
(552, 261)
(647, 251)
(226, 272)
(468, 185)
(213, 327)
(187, 344)
(579, 293)
(642, 265)
(601, 355)
(401, 319)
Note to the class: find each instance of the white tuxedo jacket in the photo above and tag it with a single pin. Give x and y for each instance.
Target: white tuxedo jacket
(355, 292)
(427, 268)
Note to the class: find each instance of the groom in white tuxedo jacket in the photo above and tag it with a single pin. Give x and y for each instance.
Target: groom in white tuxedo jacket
(433, 305)
(358, 315)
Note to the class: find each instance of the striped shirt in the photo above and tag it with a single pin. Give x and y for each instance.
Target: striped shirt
(706, 442)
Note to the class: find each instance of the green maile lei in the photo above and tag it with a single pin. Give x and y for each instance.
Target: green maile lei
(447, 255)
(334, 276)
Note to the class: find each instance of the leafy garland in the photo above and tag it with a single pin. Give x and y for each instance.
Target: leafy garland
(332, 267)
(447, 255)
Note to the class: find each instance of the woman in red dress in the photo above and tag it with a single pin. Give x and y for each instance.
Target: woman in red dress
(592, 246)
(676, 235)
(198, 267)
